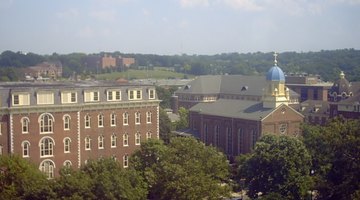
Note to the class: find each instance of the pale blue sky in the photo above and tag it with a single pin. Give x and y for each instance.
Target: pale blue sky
(178, 26)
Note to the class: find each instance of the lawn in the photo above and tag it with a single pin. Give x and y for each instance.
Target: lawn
(141, 74)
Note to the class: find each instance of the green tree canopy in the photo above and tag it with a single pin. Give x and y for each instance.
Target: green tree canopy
(335, 150)
(279, 165)
(184, 169)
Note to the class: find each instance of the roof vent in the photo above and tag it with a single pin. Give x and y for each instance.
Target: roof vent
(244, 88)
(187, 87)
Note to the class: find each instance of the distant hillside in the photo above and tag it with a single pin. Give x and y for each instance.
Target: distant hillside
(326, 63)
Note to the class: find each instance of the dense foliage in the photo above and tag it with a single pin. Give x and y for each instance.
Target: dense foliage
(335, 151)
(278, 166)
(327, 64)
(183, 169)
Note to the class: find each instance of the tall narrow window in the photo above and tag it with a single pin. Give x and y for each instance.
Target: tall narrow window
(25, 125)
(239, 141)
(26, 148)
(67, 142)
(113, 140)
(87, 121)
(47, 167)
(148, 117)
(137, 118)
(46, 147)
(46, 123)
(125, 118)
(101, 120)
(148, 135)
(126, 161)
(101, 142)
(112, 119)
(66, 122)
(125, 140)
(229, 143)
(217, 136)
(151, 94)
(137, 138)
(87, 143)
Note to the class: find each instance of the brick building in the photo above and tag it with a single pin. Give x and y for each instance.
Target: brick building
(57, 124)
(46, 69)
(235, 124)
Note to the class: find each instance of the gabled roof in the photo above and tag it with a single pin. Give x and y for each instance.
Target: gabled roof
(251, 110)
(209, 84)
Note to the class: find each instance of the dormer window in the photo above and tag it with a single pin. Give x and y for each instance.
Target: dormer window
(244, 88)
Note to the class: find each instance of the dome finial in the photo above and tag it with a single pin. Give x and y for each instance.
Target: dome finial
(275, 58)
(342, 75)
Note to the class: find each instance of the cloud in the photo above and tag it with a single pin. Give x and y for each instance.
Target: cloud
(249, 5)
(104, 15)
(145, 12)
(351, 2)
(68, 14)
(193, 3)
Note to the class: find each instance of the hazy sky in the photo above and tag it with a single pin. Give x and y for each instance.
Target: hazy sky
(178, 26)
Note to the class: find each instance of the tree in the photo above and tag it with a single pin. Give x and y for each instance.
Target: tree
(101, 179)
(184, 169)
(184, 119)
(165, 126)
(335, 150)
(279, 165)
(21, 180)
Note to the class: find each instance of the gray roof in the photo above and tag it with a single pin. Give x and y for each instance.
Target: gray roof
(209, 84)
(234, 108)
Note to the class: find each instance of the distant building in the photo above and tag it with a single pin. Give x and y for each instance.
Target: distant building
(108, 62)
(126, 62)
(234, 121)
(66, 124)
(46, 69)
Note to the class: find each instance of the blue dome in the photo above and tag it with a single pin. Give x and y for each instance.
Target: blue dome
(275, 74)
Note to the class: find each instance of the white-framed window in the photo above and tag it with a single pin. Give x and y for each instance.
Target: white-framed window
(113, 140)
(46, 147)
(67, 143)
(67, 163)
(21, 99)
(137, 117)
(135, 94)
(126, 161)
(0, 128)
(1, 149)
(91, 96)
(47, 166)
(101, 142)
(125, 140)
(68, 97)
(148, 135)
(137, 138)
(125, 118)
(24, 125)
(100, 120)
(283, 128)
(66, 120)
(87, 121)
(46, 121)
(151, 94)
(45, 97)
(87, 143)
(113, 95)
(148, 117)
(25, 149)
(112, 119)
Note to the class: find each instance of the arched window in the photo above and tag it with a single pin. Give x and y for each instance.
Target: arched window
(25, 125)
(25, 148)
(112, 119)
(125, 118)
(137, 118)
(46, 123)
(148, 135)
(137, 138)
(66, 119)
(46, 147)
(87, 121)
(67, 163)
(67, 142)
(87, 143)
(100, 120)
(113, 140)
(126, 161)
(101, 142)
(47, 167)
(125, 140)
(148, 117)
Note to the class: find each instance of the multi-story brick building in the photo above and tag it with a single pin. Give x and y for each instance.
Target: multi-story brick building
(57, 124)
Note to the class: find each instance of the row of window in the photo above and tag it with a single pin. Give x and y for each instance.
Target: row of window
(47, 144)
(48, 166)
(68, 97)
(46, 121)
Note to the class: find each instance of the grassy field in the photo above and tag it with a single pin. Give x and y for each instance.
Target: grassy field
(140, 74)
